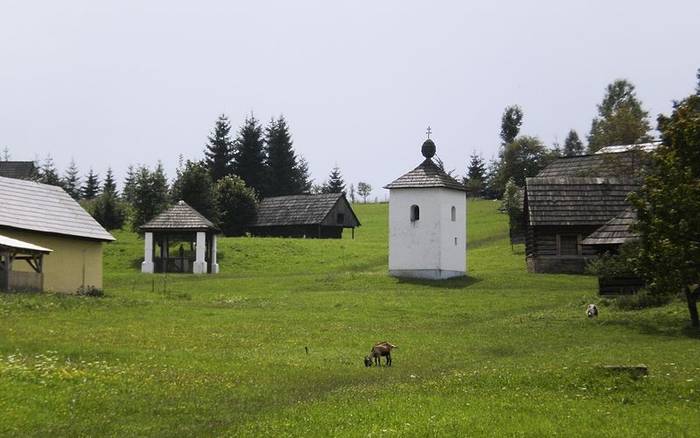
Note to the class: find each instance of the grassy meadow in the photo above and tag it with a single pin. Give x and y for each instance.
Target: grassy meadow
(502, 352)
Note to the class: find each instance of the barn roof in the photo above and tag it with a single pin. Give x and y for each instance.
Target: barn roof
(28, 205)
(298, 209)
(616, 231)
(576, 200)
(625, 163)
(8, 242)
(426, 175)
(179, 217)
(17, 169)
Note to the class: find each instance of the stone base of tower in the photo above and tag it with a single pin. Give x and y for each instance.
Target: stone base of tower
(426, 274)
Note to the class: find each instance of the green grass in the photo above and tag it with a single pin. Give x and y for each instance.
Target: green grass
(502, 352)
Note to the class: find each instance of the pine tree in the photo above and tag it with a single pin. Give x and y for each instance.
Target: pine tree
(109, 211)
(150, 194)
(110, 185)
(129, 191)
(71, 180)
(219, 152)
(91, 188)
(195, 186)
(335, 182)
(249, 162)
(281, 163)
(48, 173)
(476, 175)
(302, 182)
(620, 120)
(573, 145)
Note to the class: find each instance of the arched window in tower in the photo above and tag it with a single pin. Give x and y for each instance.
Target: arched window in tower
(453, 214)
(415, 213)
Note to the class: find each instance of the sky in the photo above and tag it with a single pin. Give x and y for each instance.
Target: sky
(113, 83)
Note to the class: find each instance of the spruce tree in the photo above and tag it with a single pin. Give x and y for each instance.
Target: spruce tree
(302, 182)
(249, 162)
(110, 185)
(476, 175)
(219, 151)
(48, 173)
(335, 182)
(91, 188)
(281, 163)
(129, 190)
(71, 180)
(150, 194)
(573, 145)
(620, 120)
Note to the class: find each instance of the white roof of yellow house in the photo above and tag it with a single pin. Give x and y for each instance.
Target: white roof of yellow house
(22, 245)
(28, 205)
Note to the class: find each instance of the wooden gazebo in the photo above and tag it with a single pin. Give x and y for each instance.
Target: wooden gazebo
(31, 279)
(180, 240)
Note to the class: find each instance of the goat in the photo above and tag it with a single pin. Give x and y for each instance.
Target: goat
(592, 311)
(378, 350)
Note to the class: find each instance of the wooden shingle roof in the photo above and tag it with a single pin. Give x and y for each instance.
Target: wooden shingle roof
(297, 209)
(576, 200)
(28, 205)
(17, 169)
(616, 231)
(179, 217)
(426, 175)
(626, 163)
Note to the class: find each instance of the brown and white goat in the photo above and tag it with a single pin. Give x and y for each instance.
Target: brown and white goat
(379, 350)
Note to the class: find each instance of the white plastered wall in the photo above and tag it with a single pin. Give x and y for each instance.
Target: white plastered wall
(427, 244)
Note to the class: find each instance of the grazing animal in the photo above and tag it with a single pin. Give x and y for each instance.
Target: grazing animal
(378, 350)
(592, 311)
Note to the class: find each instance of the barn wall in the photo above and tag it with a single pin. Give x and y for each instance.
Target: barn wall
(348, 216)
(72, 263)
(541, 249)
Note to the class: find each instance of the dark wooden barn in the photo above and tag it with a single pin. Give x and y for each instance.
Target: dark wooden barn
(608, 239)
(313, 216)
(560, 212)
(627, 163)
(18, 169)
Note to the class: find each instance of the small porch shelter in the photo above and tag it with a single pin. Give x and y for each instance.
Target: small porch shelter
(180, 240)
(12, 250)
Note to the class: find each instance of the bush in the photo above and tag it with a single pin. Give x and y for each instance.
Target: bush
(237, 205)
(618, 265)
(642, 300)
(89, 291)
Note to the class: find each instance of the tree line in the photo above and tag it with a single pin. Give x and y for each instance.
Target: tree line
(225, 185)
(620, 120)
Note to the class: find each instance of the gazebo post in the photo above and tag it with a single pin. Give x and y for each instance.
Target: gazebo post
(214, 264)
(147, 264)
(200, 263)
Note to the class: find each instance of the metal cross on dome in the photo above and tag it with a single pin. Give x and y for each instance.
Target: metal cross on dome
(428, 131)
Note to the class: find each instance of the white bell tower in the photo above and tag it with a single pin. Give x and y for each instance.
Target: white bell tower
(427, 222)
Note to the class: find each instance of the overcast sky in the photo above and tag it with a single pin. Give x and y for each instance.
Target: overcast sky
(114, 83)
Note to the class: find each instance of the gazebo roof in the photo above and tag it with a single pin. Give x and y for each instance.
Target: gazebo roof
(180, 217)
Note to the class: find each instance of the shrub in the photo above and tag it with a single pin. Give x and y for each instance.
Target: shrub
(90, 291)
(618, 265)
(642, 300)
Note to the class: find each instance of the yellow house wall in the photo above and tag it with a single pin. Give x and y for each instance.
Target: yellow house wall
(72, 263)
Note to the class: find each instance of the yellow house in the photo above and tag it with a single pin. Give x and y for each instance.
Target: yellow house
(47, 216)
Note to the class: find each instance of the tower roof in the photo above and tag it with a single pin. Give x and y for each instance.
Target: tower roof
(426, 175)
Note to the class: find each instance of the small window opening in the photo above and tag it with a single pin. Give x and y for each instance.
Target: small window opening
(415, 213)
(568, 244)
(455, 238)
(340, 218)
(453, 214)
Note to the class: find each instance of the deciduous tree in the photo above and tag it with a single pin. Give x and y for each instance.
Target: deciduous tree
(668, 208)
(364, 190)
(621, 118)
(237, 205)
(195, 186)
